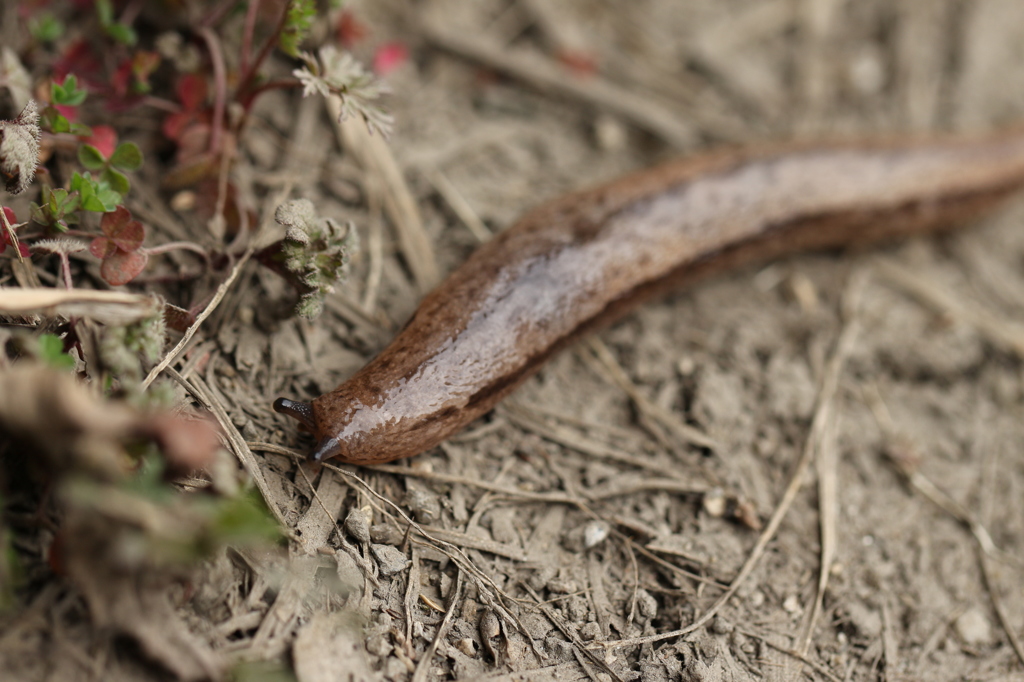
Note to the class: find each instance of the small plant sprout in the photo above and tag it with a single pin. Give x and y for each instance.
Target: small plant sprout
(65, 98)
(124, 349)
(298, 20)
(313, 255)
(339, 73)
(109, 159)
(63, 247)
(19, 149)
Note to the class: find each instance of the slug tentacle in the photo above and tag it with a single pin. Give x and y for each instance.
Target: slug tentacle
(302, 412)
(584, 260)
(326, 449)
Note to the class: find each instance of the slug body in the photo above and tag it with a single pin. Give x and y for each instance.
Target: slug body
(583, 260)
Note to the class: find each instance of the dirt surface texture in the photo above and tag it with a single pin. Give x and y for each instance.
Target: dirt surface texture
(805, 470)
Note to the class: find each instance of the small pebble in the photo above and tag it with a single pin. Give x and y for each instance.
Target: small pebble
(466, 646)
(577, 608)
(585, 537)
(423, 505)
(610, 133)
(385, 534)
(866, 621)
(378, 645)
(973, 627)
(594, 533)
(357, 524)
(562, 586)
(646, 604)
(715, 502)
(720, 626)
(559, 649)
(389, 559)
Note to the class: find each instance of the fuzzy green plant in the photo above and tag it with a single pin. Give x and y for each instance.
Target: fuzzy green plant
(314, 254)
(19, 149)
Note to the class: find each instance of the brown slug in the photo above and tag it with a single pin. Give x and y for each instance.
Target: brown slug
(583, 260)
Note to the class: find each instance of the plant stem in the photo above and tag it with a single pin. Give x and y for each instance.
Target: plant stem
(270, 85)
(65, 270)
(171, 246)
(247, 34)
(249, 75)
(220, 87)
(217, 13)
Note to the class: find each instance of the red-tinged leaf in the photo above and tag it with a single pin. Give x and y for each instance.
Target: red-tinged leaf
(122, 78)
(131, 237)
(128, 234)
(122, 267)
(80, 58)
(68, 112)
(389, 57)
(114, 222)
(104, 138)
(192, 92)
(350, 31)
(144, 63)
(175, 123)
(5, 238)
(101, 247)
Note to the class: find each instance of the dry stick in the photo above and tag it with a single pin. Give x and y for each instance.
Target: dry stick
(576, 441)
(826, 396)
(376, 158)
(459, 205)
(242, 451)
(438, 477)
(651, 556)
(374, 247)
(986, 546)
(489, 588)
(998, 330)
(636, 582)
(906, 467)
(611, 429)
(823, 442)
(112, 307)
(570, 634)
(222, 290)
(423, 669)
(511, 493)
(411, 591)
(12, 236)
(550, 77)
(352, 551)
(614, 370)
(985, 514)
(818, 667)
(827, 500)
